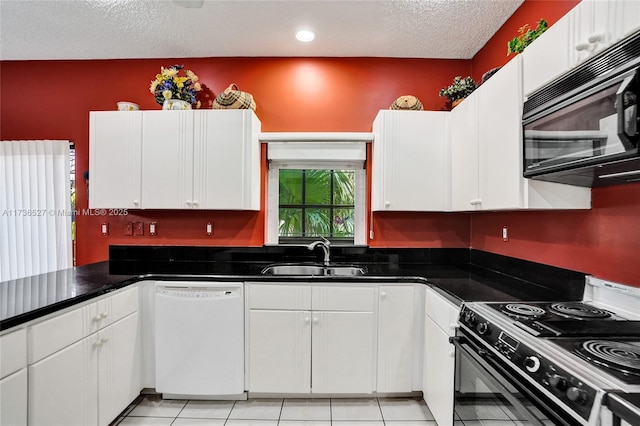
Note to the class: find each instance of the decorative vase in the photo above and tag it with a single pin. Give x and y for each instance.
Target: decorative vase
(456, 102)
(175, 104)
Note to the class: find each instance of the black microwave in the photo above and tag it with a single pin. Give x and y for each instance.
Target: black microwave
(583, 128)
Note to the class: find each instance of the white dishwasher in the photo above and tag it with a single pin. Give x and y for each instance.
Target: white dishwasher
(199, 339)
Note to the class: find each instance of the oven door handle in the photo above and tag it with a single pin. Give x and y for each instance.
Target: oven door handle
(460, 342)
(626, 124)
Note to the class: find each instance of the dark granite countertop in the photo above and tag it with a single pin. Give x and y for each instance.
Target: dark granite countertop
(625, 405)
(29, 298)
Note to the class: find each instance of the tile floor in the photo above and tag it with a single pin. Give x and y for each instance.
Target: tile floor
(153, 411)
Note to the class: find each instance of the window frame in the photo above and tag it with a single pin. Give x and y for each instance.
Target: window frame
(317, 153)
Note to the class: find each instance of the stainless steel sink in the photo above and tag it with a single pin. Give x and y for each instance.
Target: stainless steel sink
(313, 270)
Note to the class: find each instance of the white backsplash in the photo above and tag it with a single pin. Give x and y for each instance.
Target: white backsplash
(621, 299)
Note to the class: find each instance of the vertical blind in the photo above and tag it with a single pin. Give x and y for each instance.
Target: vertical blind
(35, 208)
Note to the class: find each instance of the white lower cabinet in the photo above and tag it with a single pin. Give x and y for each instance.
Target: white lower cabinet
(294, 349)
(90, 380)
(63, 387)
(439, 357)
(13, 399)
(396, 339)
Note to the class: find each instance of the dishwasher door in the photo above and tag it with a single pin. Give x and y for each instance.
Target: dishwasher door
(199, 338)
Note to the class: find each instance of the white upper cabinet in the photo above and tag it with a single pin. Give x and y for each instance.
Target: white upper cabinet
(465, 193)
(410, 161)
(115, 155)
(183, 160)
(586, 30)
(495, 110)
(547, 57)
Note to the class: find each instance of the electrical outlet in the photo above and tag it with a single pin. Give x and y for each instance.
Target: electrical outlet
(128, 229)
(104, 229)
(152, 228)
(505, 234)
(209, 229)
(138, 228)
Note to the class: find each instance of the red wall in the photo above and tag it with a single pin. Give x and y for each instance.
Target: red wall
(603, 241)
(53, 99)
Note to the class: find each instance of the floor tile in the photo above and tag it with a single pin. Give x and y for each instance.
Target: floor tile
(207, 409)
(357, 423)
(304, 423)
(198, 422)
(146, 421)
(355, 409)
(404, 409)
(257, 409)
(409, 423)
(241, 422)
(306, 409)
(154, 406)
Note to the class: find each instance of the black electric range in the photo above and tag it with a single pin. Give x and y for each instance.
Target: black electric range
(571, 353)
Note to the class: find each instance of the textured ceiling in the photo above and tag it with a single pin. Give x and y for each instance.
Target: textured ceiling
(111, 29)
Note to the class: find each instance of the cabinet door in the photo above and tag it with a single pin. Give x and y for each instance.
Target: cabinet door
(226, 160)
(115, 152)
(13, 399)
(591, 29)
(395, 339)
(167, 159)
(464, 155)
(500, 138)
(439, 372)
(410, 165)
(118, 368)
(547, 57)
(624, 19)
(279, 351)
(343, 352)
(63, 387)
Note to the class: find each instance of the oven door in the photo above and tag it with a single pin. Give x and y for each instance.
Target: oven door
(489, 391)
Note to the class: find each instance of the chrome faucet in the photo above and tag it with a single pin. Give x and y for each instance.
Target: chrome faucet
(324, 243)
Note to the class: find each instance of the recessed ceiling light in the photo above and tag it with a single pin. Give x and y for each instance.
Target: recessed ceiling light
(305, 35)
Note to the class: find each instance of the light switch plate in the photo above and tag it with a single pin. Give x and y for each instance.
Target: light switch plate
(128, 229)
(138, 228)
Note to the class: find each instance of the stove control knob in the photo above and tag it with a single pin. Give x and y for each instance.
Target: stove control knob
(532, 364)
(559, 382)
(470, 318)
(577, 395)
(483, 328)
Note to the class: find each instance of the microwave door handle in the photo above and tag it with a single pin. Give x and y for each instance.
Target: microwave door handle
(625, 138)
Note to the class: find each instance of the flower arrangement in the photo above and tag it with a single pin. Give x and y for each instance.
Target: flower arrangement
(169, 84)
(459, 89)
(525, 37)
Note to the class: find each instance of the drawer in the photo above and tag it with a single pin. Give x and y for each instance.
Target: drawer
(13, 352)
(58, 332)
(118, 306)
(443, 312)
(282, 297)
(359, 299)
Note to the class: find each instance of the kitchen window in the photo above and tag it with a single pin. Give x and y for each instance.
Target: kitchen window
(316, 189)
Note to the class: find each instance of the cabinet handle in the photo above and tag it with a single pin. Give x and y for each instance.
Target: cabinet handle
(103, 315)
(383, 295)
(453, 325)
(452, 354)
(595, 38)
(136, 203)
(188, 203)
(98, 343)
(307, 320)
(475, 202)
(387, 203)
(582, 46)
(195, 203)
(104, 340)
(97, 318)
(315, 320)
